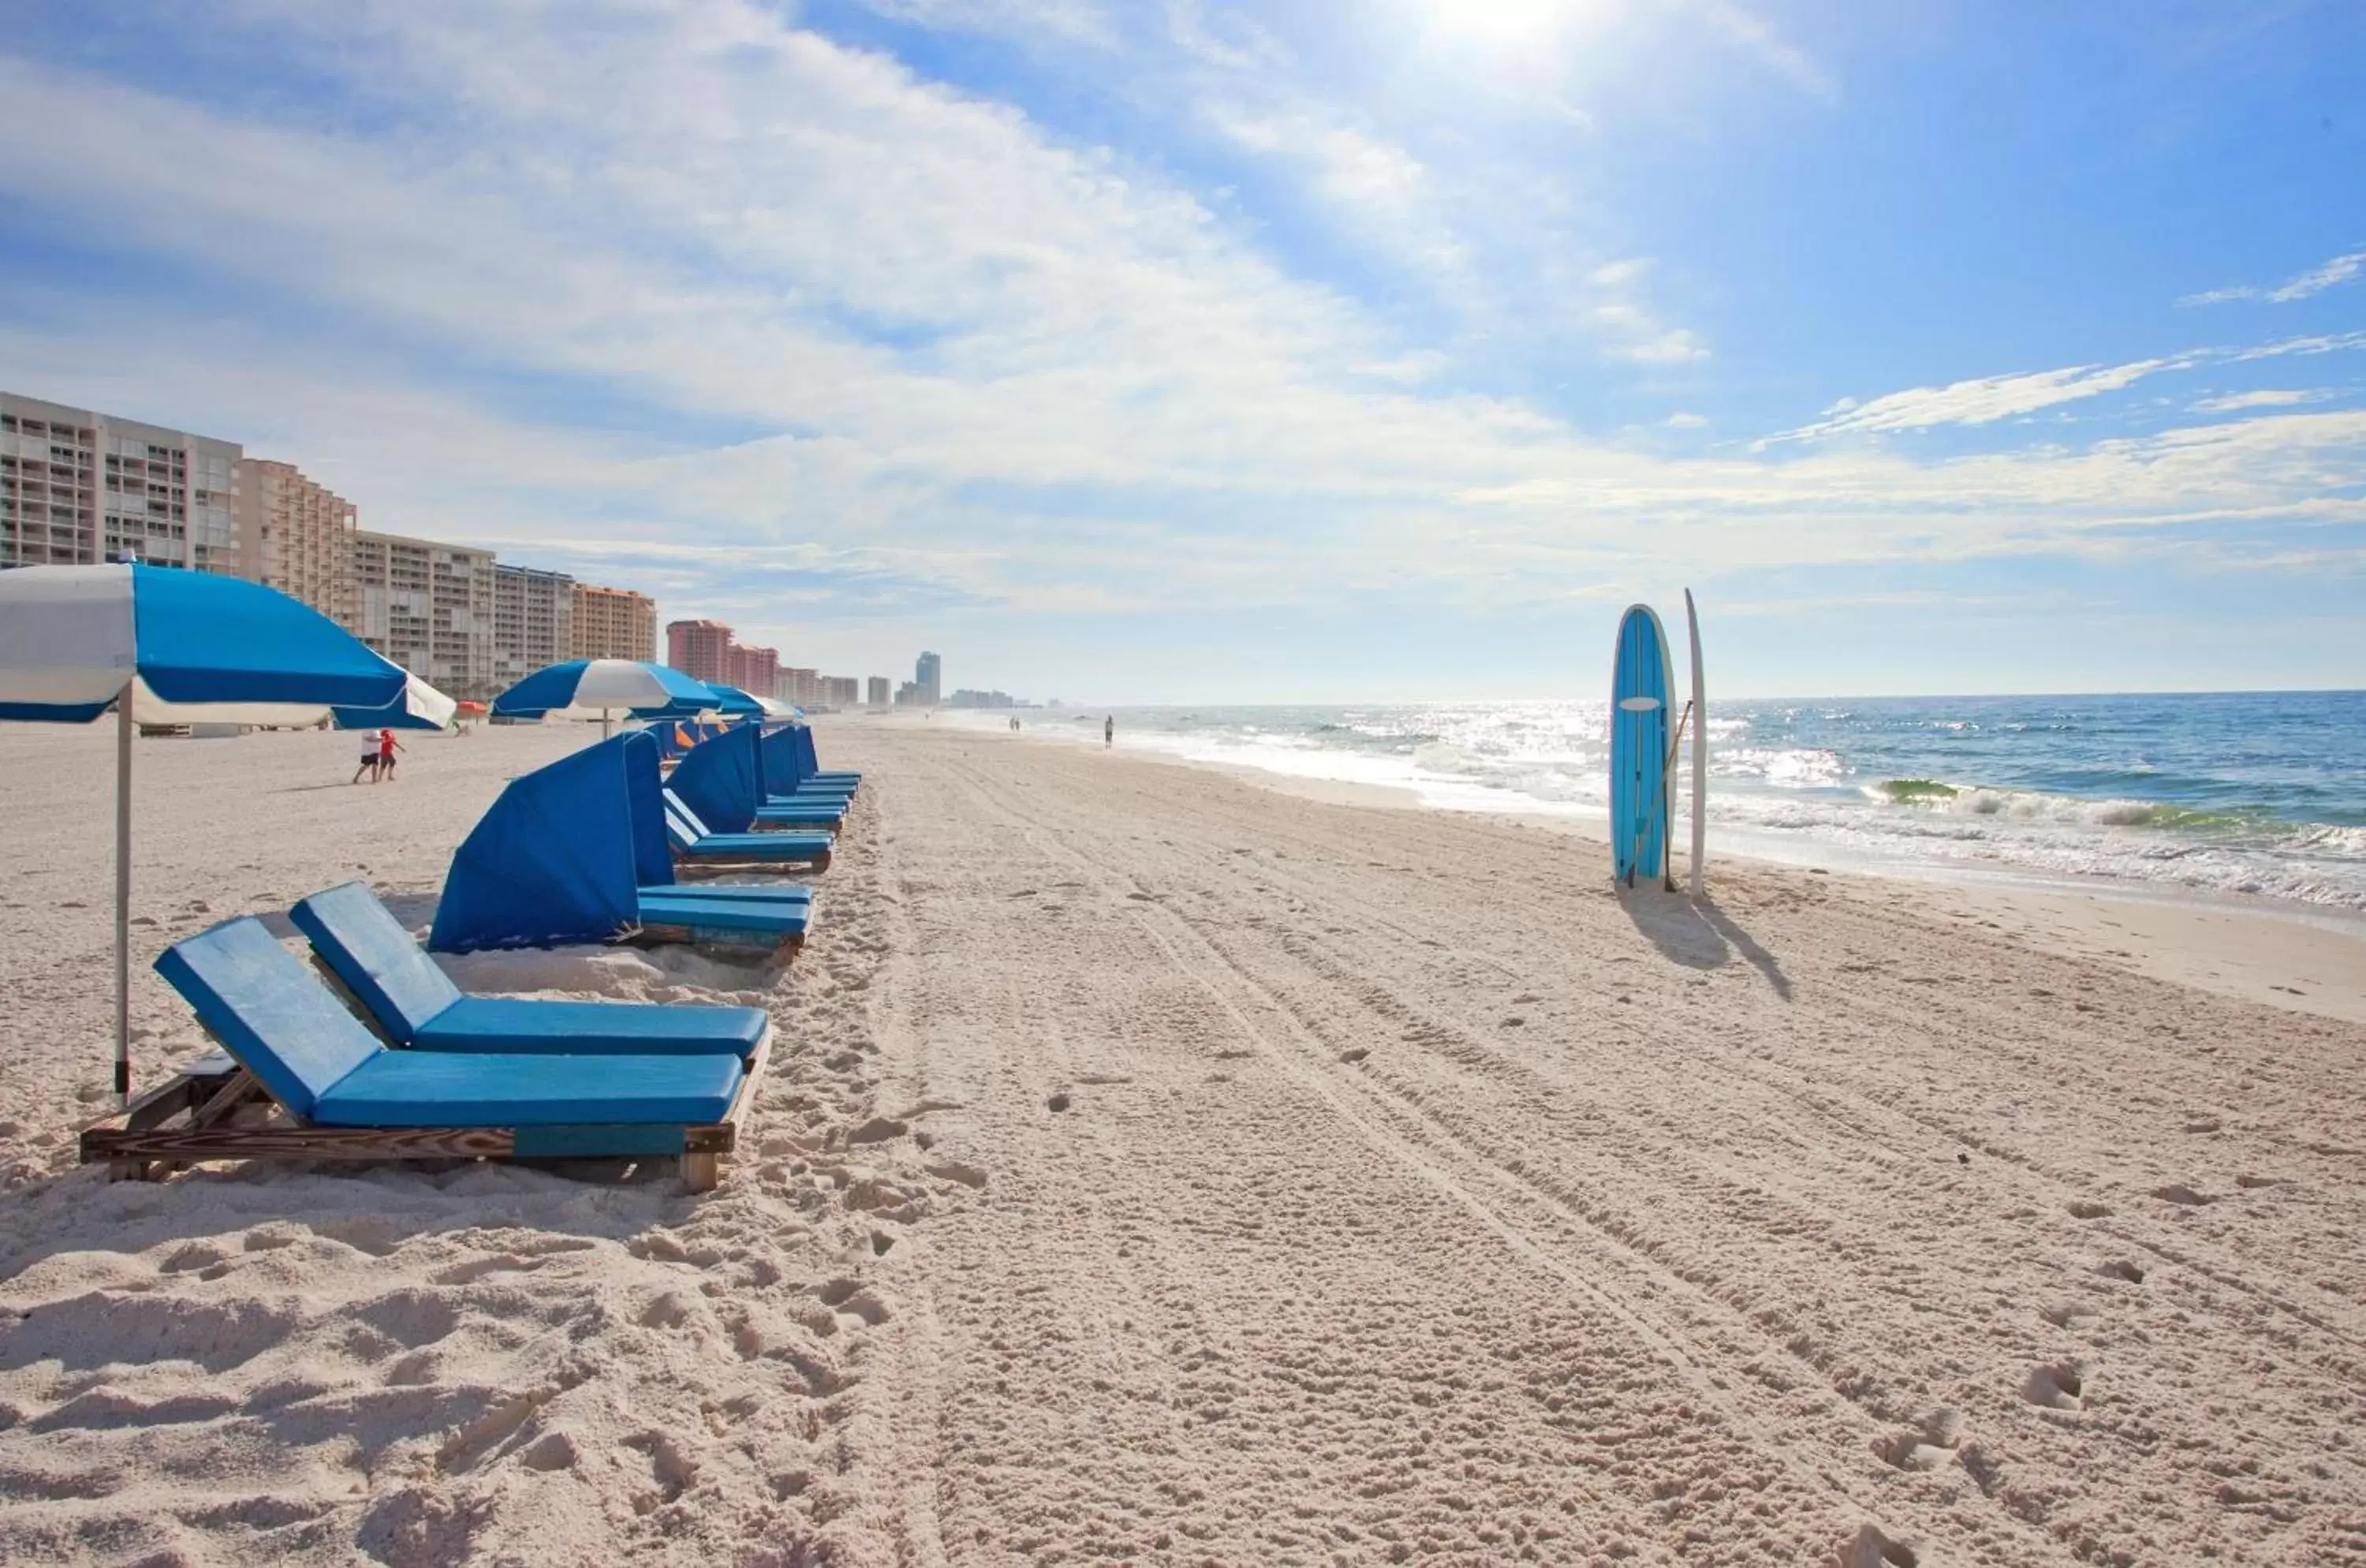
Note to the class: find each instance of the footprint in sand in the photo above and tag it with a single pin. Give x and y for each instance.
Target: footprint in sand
(1869, 1547)
(1927, 1445)
(2084, 1210)
(2121, 1268)
(2061, 1386)
(2181, 1195)
(955, 1171)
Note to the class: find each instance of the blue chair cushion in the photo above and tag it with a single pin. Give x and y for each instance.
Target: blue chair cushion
(802, 815)
(526, 1025)
(732, 892)
(760, 846)
(268, 1010)
(745, 916)
(361, 940)
(458, 1088)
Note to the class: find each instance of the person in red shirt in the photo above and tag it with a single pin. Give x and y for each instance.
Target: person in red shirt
(385, 751)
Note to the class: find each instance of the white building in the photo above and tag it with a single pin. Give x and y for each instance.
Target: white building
(81, 487)
(427, 606)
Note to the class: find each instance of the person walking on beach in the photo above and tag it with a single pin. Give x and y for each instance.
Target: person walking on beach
(370, 764)
(1109, 732)
(385, 751)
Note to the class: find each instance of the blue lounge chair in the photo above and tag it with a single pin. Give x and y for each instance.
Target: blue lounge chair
(788, 778)
(809, 768)
(416, 1004)
(577, 851)
(722, 783)
(348, 1097)
(693, 842)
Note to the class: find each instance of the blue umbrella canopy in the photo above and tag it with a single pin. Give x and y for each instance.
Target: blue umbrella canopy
(191, 647)
(421, 706)
(595, 687)
(162, 646)
(736, 703)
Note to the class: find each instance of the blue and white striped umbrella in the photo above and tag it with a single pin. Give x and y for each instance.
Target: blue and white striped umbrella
(421, 706)
(597, 688)
(161, 646)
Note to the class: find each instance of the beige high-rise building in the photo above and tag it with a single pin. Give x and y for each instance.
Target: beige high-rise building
(877, 691)
(427, 606)
(294, 534)
(534, 621)
(614, 623)
(82, 487)
(799, 688)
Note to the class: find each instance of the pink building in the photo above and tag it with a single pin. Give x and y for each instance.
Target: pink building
(700, 650)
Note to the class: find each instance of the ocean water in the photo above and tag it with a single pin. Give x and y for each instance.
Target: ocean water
(2237, 792)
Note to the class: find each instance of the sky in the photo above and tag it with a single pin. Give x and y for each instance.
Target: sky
(1184, 351)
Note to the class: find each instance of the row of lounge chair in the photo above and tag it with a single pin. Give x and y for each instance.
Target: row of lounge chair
(375, 1054)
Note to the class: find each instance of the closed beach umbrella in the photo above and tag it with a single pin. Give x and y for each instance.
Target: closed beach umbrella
(584, 688)
(421, 706)
(161, 646)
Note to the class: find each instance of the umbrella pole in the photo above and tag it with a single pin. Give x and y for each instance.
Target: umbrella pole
(123, 896)
(603, 723)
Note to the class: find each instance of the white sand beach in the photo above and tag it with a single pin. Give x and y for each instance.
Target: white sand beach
(1157, 1167)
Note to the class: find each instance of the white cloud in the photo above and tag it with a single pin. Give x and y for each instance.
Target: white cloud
(1982, 401)
(1068, 21)
(1232, 43)
(2316, 281)
(2265, 398)
(1630, 331)
(1682, 420)
(1755, 34)
(1987, 399)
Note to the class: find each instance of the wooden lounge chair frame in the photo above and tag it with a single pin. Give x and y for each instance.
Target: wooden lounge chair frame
(201, 1115)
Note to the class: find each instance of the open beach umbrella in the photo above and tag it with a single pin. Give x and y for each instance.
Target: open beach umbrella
(421, 706)
(736, 704)
(163, 646)
(583, 688)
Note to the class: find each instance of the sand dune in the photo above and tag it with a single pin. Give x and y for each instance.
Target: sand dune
(1161, 1168)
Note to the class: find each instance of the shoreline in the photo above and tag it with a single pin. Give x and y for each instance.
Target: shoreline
(2280, 953)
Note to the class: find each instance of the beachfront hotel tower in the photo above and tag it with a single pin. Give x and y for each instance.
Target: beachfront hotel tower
(533, 620)
(928, 679)
(877, 692)
(79, 487)
(294, 534)
(427, 606)
(700, 650)
(613, 623)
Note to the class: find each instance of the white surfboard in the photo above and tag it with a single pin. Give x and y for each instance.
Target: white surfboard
(1700, 748)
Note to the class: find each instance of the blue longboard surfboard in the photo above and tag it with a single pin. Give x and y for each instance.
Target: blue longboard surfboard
(1641, 683)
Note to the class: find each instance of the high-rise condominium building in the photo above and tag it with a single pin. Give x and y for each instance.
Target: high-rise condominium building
(534, 621)
(800, 688)
(878, 692)
(294, 534)
(840, 692)
(700, 650)
(427, 606)
(614, 623)
(76, 486)
(928, 679)
(754, 670)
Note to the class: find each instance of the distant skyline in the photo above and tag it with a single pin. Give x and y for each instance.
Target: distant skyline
(1194, 352)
